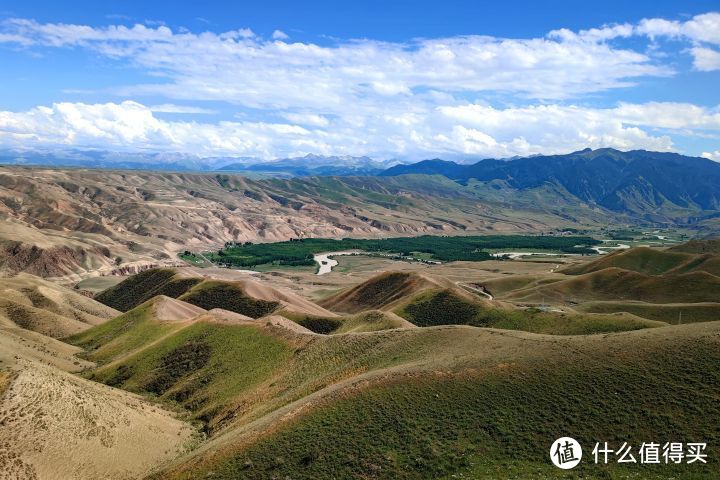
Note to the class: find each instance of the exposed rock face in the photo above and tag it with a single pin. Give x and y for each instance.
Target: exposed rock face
(45, 262)
(94, 221)
(126, 270)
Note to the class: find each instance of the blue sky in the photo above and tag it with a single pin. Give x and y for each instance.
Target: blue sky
(402, 79)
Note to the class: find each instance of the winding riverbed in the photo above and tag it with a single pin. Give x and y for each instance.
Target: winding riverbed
(326, 264)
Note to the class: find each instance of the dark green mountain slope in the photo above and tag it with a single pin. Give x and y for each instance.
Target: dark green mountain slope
(636, 181)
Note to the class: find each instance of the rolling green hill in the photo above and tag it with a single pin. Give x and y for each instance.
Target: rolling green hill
(427, 301)
(617, 284)
(462, 402)
(454, 307)
(124, 334)
(139, 288)
(246, 297)
(211, 294)
(671, 313)
(711, 246)
(382, 292)
(367, 321)
(650, 261)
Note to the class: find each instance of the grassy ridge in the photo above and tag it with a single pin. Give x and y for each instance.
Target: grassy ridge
(649, 261)
(448, 249)
(145, 285)
(368, 321)
(379, 292)
(448, 307)
(201, 367)
(207, 294)
(671, 313)
(128, 332)
(615, 284)
(645, 260)
(496, 420)
(711, 246)
(211, 294)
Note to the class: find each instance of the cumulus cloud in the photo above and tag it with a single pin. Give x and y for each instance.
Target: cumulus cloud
(367, 97)
(701, 28)
(705, 59)
(465, 130)
(242, 68)
(712, 155)
(307, 119)
(172, 108)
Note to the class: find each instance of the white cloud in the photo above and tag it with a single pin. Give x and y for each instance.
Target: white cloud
(701, 28)
(460, 130)
(172, 108)
(366, 97)
(669, 115)
(242, 68)
(311, 119)
(544, 129)
(712, 155)
(706, 59)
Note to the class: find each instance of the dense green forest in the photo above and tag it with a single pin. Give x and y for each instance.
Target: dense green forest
(444, 249)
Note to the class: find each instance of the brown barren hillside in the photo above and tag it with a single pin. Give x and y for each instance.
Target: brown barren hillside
(54, 425)
(34, 304)
(57, 425)
(170, 309)
(76, 222)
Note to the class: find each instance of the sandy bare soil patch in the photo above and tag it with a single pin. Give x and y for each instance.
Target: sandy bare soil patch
(54, 425)
(169, 309)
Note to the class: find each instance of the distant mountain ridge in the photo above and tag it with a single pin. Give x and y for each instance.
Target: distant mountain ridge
(634, 181)
(306, 166)
(313, 165)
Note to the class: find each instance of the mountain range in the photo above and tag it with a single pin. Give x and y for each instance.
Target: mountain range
(306, 166)
(113, 219)
(312, 165)
(635, 181)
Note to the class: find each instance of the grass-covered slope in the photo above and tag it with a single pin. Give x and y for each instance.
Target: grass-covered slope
(367, 321)
(454, 307)
(651, 261)
(381, 292)
(460, 402)
(124, 334)
(201, 367)
(711, 246)
(618, 284)
(142, 287)
(372, 321)
(231, 296)
(672, 313)
(246, 297)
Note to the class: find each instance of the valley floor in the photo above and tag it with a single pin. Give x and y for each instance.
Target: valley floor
(377, 369)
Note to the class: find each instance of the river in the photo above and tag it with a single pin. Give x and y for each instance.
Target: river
(326, 264)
